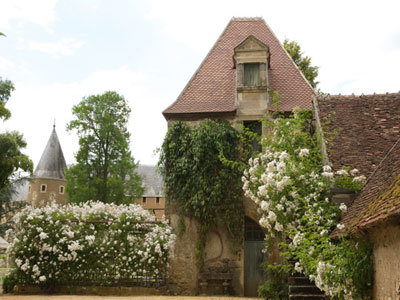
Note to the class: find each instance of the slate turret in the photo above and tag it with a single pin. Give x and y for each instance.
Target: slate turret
(48, 185)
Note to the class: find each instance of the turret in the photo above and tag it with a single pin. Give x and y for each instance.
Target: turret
(48, 185)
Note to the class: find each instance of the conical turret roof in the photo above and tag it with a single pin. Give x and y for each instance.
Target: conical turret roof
(52, 162)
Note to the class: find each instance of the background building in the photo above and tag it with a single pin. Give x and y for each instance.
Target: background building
(153, 197)
(48, 185)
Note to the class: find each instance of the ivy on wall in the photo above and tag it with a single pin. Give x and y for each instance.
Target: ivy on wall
(202, 169)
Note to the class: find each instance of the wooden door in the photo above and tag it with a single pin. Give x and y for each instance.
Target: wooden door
(254, 274)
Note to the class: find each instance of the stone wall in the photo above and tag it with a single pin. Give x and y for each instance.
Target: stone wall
(386, 240)
(186, 278)
(183, 271)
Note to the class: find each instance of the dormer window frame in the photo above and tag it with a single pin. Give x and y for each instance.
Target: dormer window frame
(250, 52)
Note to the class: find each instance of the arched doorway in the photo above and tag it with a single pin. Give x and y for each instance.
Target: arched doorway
(254, 274)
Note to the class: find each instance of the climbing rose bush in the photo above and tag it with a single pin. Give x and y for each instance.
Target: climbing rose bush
(89, 243)
(291, 189)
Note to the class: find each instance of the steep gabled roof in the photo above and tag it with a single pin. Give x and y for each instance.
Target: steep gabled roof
(379, 200)
(52, 162)
(212, 87)
(359, 130)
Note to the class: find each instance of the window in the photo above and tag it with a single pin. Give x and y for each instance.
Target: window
(144, 200)
(43, 188)
(29, 189)
(157, 200)
(251, 74)
(61, 189)
(255, 127)
(252, 231)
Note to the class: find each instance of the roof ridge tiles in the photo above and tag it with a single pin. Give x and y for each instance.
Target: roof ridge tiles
(246, 19)
(362, 95)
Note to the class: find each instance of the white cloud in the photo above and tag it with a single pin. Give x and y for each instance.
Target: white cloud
(5, 64)
(355, 43)
(62, 47)
(41, 12)
(34, 108)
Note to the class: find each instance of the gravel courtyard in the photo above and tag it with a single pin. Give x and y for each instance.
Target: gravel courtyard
(72, 297)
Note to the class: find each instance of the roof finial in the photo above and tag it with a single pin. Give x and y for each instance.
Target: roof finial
(54, 124)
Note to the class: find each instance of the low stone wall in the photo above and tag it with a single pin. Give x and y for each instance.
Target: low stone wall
(89, 290)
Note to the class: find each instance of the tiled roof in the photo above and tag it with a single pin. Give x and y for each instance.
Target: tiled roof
(359, 130)
(363, 132)
(152, 181)
(52, 162)
(212, 87)
(380, 197)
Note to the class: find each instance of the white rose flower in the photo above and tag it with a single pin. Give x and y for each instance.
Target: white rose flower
(327, 168)
(43, 235)
(304, 152)
(342, 173)
(343, 207)
(340, 226)
(271, 216)
(278, 226)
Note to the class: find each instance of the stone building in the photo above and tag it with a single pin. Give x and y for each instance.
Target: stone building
(48, 185)
(153, 197)
(234, 83)
(364, 132)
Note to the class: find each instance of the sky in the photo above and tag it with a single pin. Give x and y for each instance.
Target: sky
(58, 51)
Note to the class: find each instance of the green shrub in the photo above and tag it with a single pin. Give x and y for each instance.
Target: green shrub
(9, 283)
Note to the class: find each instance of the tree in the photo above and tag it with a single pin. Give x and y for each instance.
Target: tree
(303, 62)
(6, 87)
(13, 163)
(105, 169)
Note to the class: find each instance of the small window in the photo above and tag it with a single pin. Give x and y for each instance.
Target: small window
(29, 189)
(43, 188)
(61, 189)
(251, 75)
(252, 231)
(157, 200)
(144, 200)
(255, 127)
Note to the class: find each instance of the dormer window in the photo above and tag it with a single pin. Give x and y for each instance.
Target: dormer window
(251, 60)
(251, 75)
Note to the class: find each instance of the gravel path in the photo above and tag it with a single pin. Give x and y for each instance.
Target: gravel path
(47, 297)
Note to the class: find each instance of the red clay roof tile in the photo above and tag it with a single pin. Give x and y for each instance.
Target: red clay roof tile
(380, 197)
(359, 130)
